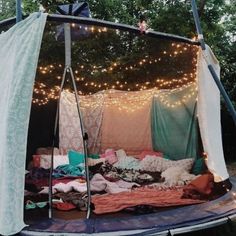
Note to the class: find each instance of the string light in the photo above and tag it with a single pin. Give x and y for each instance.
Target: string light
(44, 95)
(116, 65)
(132, 101)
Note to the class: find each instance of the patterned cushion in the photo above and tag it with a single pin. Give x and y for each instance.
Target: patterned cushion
(45, 161)
(150, 163)
(185, 164)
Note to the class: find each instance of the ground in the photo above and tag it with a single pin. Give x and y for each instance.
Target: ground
(232, 168)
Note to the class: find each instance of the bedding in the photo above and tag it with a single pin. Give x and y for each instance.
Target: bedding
(200, 188)
(142, 196)
(150, 163)
(98, 184)
(44, 161)
(122, 177)
(143, 154)
(112, 173)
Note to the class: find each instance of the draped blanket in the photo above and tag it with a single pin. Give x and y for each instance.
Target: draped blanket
(153, 197)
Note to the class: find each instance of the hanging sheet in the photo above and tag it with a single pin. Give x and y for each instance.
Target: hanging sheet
(174, 124)
(19, 53)
(126, 121)
(92, 108)
(70, 136)
(69, 123)
(209, 115)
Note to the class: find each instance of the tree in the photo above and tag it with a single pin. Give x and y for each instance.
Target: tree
(7, 9)
(217, 17)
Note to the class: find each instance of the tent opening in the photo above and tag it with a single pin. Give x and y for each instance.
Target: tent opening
(138, 99)
(150, 110)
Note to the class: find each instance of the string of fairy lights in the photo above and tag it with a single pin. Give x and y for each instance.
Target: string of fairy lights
(135, 100)
(43, 94)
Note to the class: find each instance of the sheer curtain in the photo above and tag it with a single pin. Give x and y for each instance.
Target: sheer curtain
(19, 53)
(209, 115)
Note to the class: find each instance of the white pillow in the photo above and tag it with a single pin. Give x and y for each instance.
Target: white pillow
(151, 163)
(185, 164)
(156, 164)
(45, 161)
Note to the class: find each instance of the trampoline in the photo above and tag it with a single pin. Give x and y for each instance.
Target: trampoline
(167, 62)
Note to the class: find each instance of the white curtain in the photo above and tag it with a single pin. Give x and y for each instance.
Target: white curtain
(19, 53)
(209, 115)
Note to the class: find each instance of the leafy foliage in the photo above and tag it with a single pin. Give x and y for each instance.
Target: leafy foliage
(217, 17)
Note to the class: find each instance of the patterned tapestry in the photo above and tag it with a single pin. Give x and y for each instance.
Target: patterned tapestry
(69, 123)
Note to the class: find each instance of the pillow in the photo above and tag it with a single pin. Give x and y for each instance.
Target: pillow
(176, 176)
(203, 184)
(47, 151)
(199, 166)
(75, 158)
(60, 160)
(150, 163)
(94, 156)
(185, 164)
(120, 154)
(143, 154)
(45, 161)
(36, 160)
(110, 156)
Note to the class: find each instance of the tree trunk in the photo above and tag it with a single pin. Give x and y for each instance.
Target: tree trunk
(201, 7)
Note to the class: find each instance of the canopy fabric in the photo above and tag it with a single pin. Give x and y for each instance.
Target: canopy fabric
(18, 62)
(209, 115)
(126, 122)
(174, 123)
(70, 135)
(112, 119)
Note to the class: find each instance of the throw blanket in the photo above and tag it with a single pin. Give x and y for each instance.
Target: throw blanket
(112, 173)
(142, 196)
(99, 184)
(68, 170)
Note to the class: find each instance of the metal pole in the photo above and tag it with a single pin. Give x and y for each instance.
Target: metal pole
(85, 144)
(50, 196)
(18, 11)
(67, 32)
(210, 67)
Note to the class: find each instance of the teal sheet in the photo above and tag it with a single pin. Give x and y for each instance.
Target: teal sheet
(174, 129)
(19, 53)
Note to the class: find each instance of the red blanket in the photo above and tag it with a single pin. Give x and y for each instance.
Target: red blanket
(108, 203)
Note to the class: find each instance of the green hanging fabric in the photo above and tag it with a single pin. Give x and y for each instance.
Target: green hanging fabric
(174, 123)
(19, 53)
